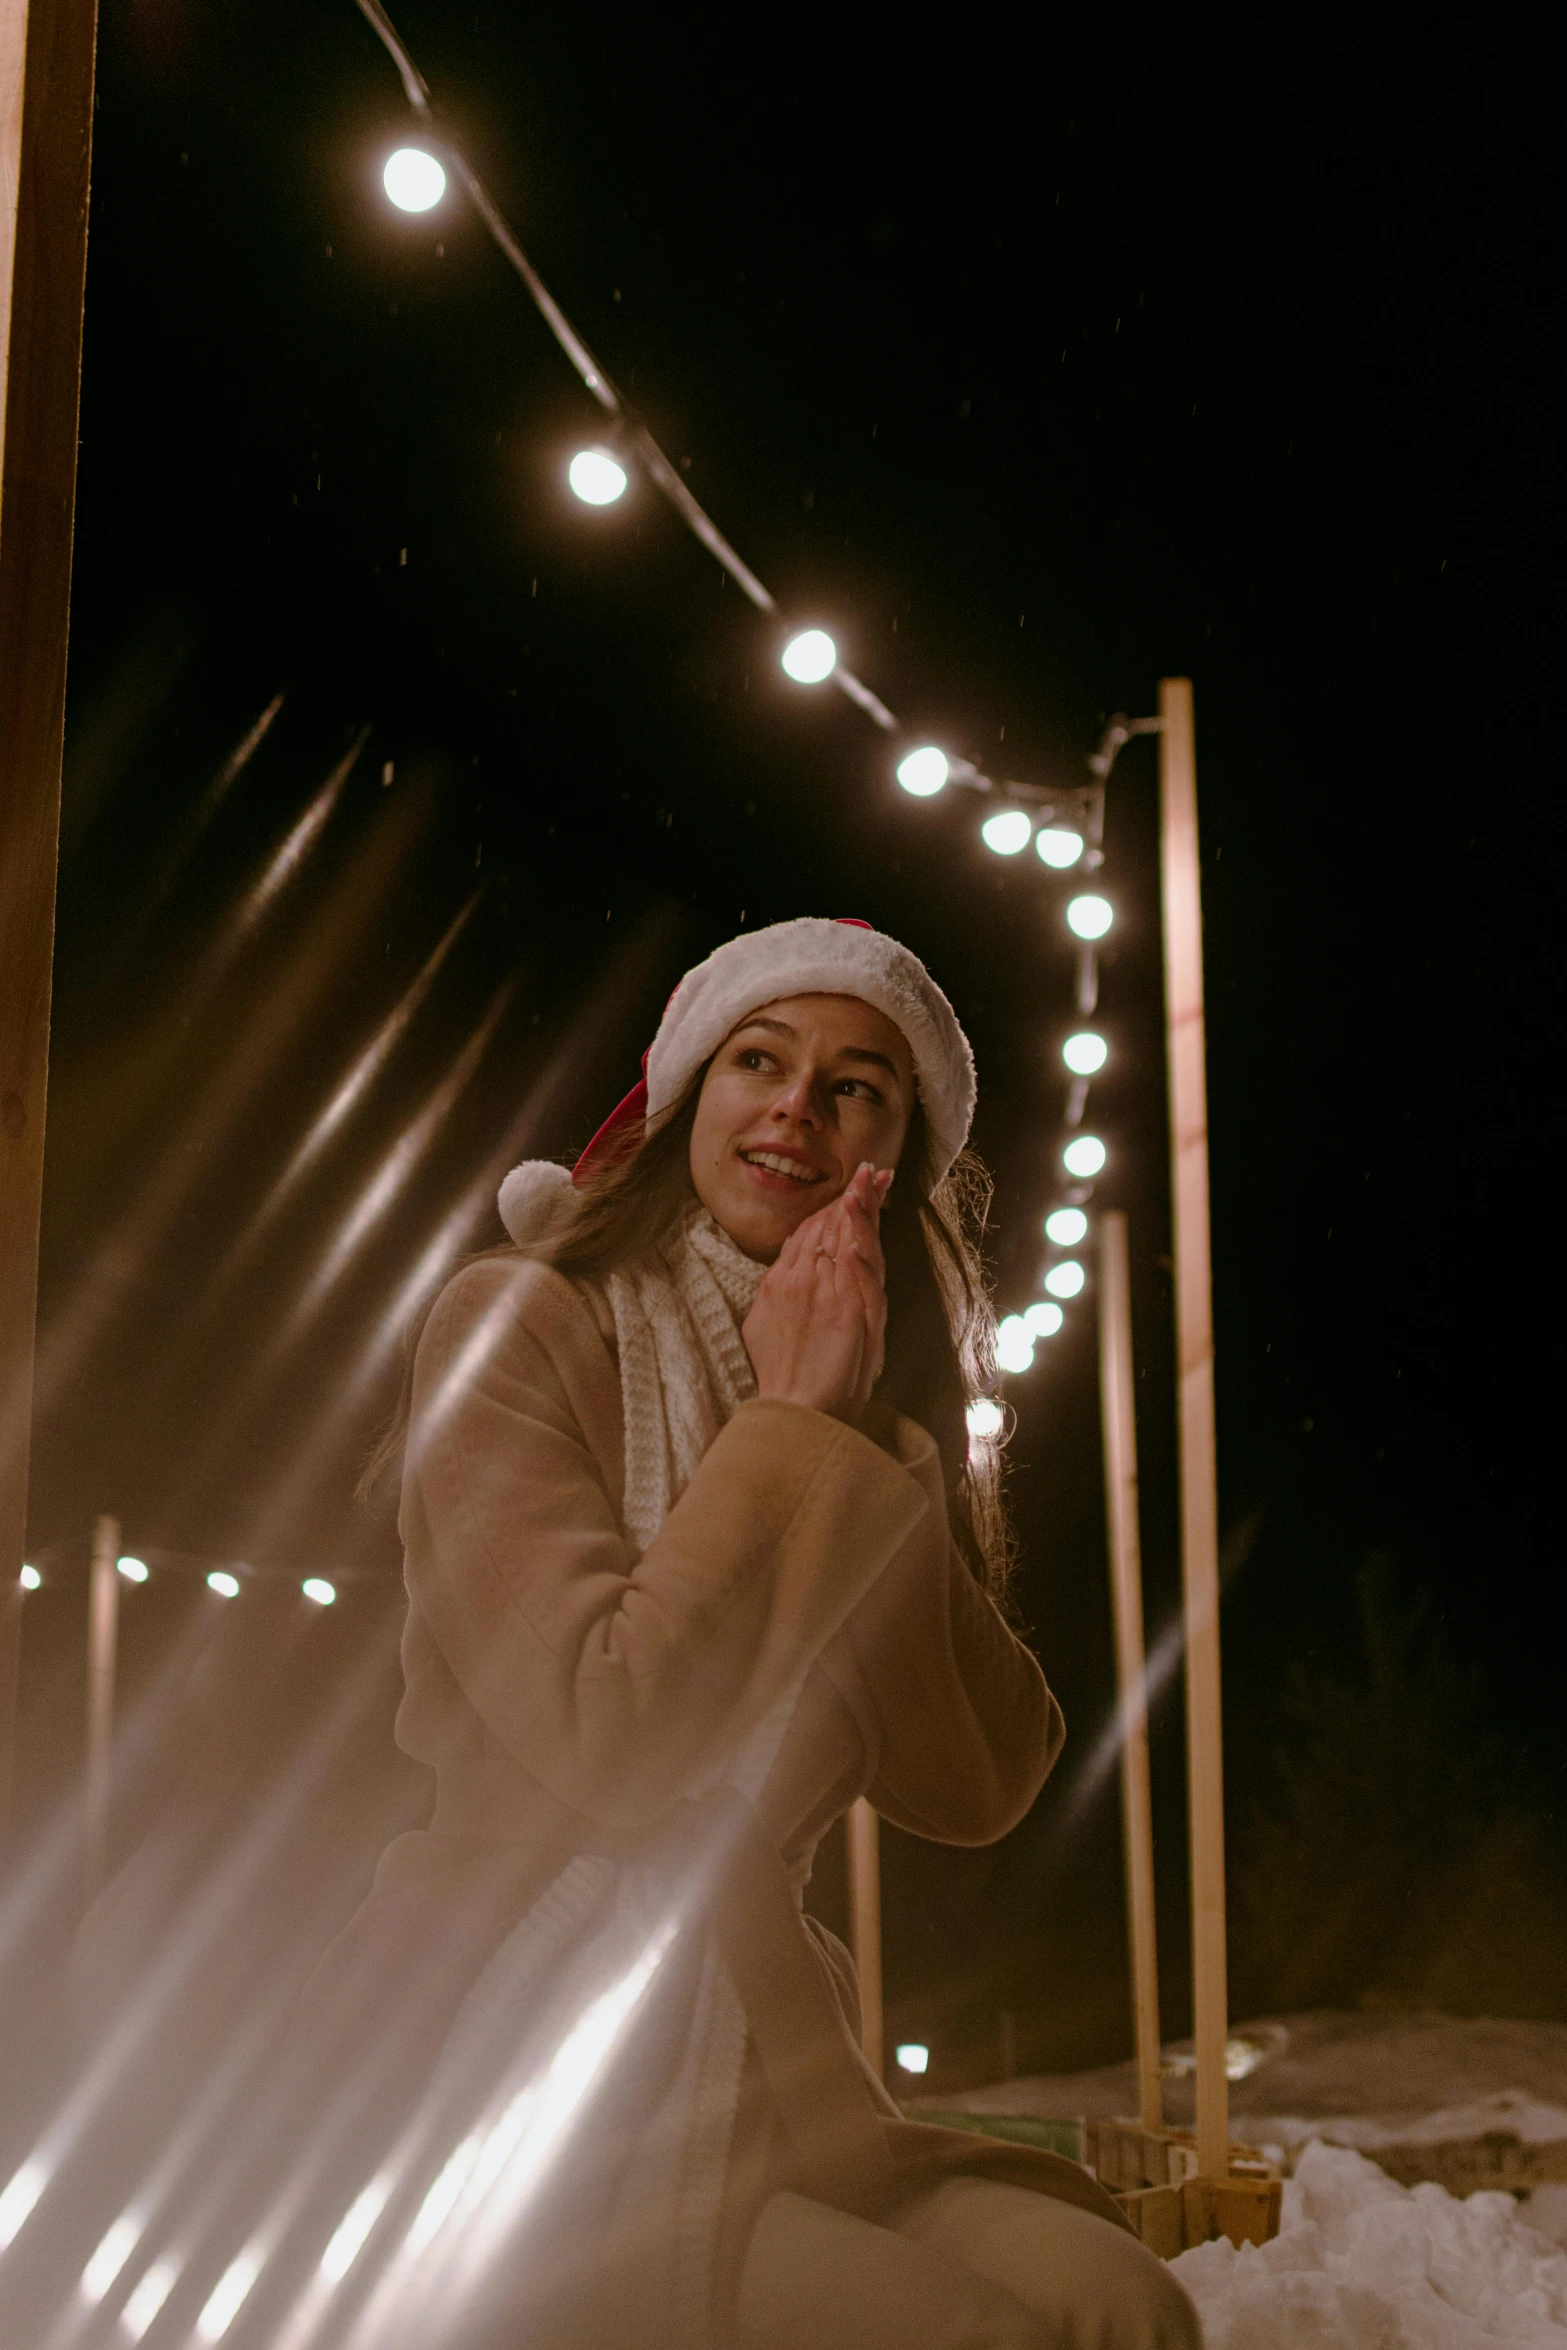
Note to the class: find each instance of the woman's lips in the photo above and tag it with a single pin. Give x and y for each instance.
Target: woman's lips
(780, 1170)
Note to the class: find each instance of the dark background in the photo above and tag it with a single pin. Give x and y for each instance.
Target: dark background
(1039, 362)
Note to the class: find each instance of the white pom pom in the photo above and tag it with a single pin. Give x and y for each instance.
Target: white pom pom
(531, 1197)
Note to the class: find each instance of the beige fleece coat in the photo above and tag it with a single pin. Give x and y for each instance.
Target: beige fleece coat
(570, 1702)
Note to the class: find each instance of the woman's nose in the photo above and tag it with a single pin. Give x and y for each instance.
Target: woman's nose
(800, 1102)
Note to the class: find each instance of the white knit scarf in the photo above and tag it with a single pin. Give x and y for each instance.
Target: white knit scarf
(684, 1370)
(599, 1957)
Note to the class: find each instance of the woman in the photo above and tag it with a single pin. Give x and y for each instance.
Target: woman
(696, 1556)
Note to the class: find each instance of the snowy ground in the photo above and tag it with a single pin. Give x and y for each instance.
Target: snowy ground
(1363, 2262)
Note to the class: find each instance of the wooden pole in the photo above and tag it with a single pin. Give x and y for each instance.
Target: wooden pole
(46, 90)
(103, 1624)
(864, 1840)
(1117, 1414)
(1188, 1087)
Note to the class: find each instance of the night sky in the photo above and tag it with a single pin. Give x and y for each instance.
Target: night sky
(1038, 363)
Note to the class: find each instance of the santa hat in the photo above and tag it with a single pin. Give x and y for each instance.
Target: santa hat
(811, 956)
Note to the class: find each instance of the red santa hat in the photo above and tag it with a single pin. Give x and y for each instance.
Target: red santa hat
(810, 956)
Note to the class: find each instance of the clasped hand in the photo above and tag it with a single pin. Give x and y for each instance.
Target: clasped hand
(817, 1332)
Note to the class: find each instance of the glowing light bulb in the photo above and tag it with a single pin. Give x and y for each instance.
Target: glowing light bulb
(1066, 1227)
(1089, 917)
(1014, 1343)
(913, 2056)
(30, 1579)
(1044, 1321)
(810, 656)
(413, 179)
(226, 1586)
(924, 771)
(1008, 832)
(985, 1416)
(1064, 1280)
(596, 477)
(134, 1570)
(1084, 1053)
(1059, 846)
(314, 1588)
(1084, 1155)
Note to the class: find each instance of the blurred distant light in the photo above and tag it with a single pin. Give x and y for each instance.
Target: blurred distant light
(223, 2303)
(1084, 1155)
(1058, 846)
(22, 2192)
(1044, 1321)
(112, 2254)
(225, 1585)
(985, 1416)
(322, 1593)
(134, 1570)
(413, 179)
(349, 2239)
(30, 1578)
(1064, 1280)
(1014, 1343)
(1085, 1053)
(1089, 917)
(913, 2056)
(924, 771)
(810, 656)
(596, 477)
(148, 2298)
(1066, 1227)
(1008, 832)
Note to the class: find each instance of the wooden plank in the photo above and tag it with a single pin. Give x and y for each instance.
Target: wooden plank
(42, 374)
(863, 1831)
(1119, 1425)
(1188, 1091)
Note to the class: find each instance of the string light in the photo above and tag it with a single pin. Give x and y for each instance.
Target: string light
(224, 1584)
(316, 1588)
(1058, 846)
(924, 772)
(1008, 832)
(1084, 1156)
(134, 1570)
(1044, 1320)
(809, 657)
(1066, 1279)
(1067, 1227)
(596, 477)
(985, 1417)
(913, 2056)
(413, 180)
(1089, 916)
(1085, 1054)
(30, 1579)
(1014, 1343)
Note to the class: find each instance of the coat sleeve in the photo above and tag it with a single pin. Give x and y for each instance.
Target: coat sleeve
(618, 1686)
(960, 1725)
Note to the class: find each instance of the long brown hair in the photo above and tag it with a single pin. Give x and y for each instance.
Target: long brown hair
(940, 1322)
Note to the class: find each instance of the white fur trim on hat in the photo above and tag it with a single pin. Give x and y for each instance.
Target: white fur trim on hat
(814, 956)
(531, 1196)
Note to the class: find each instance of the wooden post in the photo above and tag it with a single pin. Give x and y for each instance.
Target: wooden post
(863, 1830)
(46, 88)
(1188, 1087)
(1118, 1418)
(103, 1623)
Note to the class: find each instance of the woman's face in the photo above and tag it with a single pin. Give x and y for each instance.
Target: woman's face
(794, 1100)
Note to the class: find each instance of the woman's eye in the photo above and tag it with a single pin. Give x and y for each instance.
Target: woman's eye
(752, 1057)
(862, 1089)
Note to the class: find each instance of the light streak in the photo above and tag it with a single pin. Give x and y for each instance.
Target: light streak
(148, 2298)
(353, 2230)
(18, 2199)
(223, 2304)
(110, 2257)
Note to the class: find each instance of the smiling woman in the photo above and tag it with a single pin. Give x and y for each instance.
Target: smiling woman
(697, 1553)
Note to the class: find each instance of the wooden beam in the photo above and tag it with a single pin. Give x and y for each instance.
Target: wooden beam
(1185, 1043)
(1119, 1424)
(45, 244)
(863, 1831)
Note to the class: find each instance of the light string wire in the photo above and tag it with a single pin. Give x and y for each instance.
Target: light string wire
(1084, 806)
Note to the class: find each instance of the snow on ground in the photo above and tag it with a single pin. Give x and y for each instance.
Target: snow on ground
(1361, 2263)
